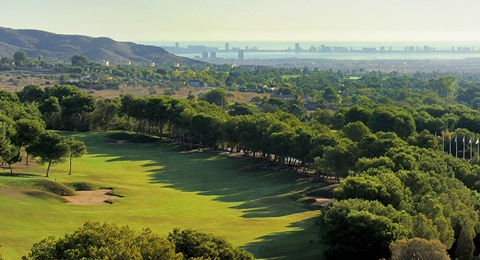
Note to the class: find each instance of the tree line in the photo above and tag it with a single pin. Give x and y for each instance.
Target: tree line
(23, 134)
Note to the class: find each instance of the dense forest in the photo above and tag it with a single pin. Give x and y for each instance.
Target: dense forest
(404, 148)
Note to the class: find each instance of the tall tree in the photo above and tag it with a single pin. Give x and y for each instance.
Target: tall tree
(8, 151)
(75, 107)
(28, 130)
(50, 147)
(77, 150)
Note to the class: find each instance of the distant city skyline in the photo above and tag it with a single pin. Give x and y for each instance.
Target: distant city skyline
(251, 20)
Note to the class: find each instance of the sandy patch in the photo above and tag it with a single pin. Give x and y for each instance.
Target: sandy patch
(117, 141)
(320, 201)
(93, 197)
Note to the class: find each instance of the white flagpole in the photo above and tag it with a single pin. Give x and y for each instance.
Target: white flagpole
(471, 148)
(478, 149)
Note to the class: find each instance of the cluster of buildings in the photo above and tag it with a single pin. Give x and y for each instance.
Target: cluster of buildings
(425, 48)
(210, 53)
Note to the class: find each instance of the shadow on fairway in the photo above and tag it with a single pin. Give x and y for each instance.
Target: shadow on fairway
(18, 175)
(301, 244)
(257, 192)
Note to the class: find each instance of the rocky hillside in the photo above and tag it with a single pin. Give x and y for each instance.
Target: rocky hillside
(53, 46)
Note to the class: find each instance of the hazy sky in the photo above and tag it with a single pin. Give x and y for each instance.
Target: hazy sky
(247, 20)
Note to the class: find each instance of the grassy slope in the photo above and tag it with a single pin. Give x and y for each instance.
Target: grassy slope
(165, 187)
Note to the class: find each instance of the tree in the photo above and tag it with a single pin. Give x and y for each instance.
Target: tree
(384, 187)
(330, 95)
(418, 249)
(445, 86)
(50, 109)
(77, 150)
(8, 96)
(104, 241)
(74, 108)
(20, 57)
(31, 93)
(389, 119)
(27, 131)
(357, 113)
(9, 153)
(6, 63)
(338, 159)
(355, 131)
(198, 245)
(238, 109)
(359, 229)
(205, 130)
(106, 115)
(50, 147)
(79, 60)
(423, 139)
(215, 96)
(364, 163)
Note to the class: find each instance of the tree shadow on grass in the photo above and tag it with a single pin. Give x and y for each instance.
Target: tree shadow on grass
(299, 244)
(256, 192)
(259, 193)
(18, 175)
(251, 189)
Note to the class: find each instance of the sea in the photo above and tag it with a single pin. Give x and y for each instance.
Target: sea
(262, 50)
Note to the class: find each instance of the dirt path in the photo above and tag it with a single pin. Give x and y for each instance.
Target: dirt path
(94, 197)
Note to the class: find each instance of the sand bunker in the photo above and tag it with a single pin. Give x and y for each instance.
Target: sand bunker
(94, 197)
(320, 201)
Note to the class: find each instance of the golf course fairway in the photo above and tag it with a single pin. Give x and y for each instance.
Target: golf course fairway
(163, 186)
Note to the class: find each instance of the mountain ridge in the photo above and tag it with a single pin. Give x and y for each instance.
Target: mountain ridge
(52, 46)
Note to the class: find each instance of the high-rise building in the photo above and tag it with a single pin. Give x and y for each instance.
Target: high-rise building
(177, 45)
(227, 46)
(241, 54)
(297, 47)
(213, 55)
(204, 55)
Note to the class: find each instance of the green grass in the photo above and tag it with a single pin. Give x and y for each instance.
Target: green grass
(163, 186)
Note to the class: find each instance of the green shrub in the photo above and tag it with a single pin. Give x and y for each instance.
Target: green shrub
(104, 241)
(197, 245)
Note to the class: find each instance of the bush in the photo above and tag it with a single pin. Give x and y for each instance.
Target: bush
(83, 186)
(194, 244)
(104, 241)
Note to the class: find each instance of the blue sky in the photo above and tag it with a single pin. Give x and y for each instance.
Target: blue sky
(251, 20)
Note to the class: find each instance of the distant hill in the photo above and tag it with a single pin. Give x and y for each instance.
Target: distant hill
(53, 46)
